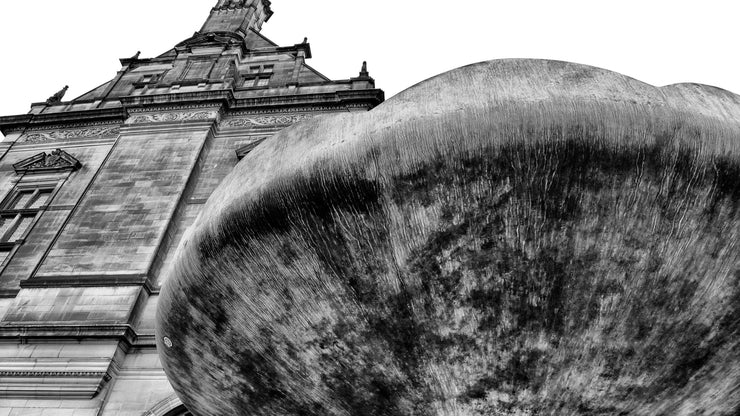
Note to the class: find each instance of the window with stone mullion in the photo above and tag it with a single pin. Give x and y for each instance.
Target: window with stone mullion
(18, 213)
(259, 75)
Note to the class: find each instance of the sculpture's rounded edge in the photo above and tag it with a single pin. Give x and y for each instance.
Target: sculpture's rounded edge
(210, 247)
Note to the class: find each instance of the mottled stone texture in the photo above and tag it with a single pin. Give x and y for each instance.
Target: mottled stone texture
(510, 238)
(128, 207)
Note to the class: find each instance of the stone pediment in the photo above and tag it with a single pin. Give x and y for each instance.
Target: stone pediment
(210, 39)
(56, 161)
(244, 150)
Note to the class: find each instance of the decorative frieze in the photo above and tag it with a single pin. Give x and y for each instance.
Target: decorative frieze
(168, 108)
(311, 109)
(279, 120)
(63, 135)
(172, 117)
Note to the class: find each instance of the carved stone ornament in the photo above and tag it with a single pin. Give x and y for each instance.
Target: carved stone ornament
(57, 98)
(58, 160)
(267, 120)
(70, 134)
(172, 117)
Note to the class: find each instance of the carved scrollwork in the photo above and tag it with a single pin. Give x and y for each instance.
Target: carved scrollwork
(267, 120)
(61, 135)
(171, 117)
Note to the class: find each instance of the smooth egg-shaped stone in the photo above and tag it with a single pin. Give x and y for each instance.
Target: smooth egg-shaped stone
(515, 237)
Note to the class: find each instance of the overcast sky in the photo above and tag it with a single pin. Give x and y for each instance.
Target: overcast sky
(45, 44)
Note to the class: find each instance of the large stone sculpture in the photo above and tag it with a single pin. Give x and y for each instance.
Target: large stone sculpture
(514, 237)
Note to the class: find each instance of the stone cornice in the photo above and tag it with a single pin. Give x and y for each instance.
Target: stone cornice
(340, 98)
(201, 97)
(277, 103)
(81, 125)
(51, 377)
(54, 374)
(45, 119)
(278, 110)
(51, 331)
(59, 330)
(166, 108)
(63, 280)
(223, 99)
(12, 123)
(48, 332)
(305, 47)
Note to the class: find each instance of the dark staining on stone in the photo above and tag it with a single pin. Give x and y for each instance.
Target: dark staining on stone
(287, 253)
(276, 211)
(267, 384)
(532, 298)
(557, 275)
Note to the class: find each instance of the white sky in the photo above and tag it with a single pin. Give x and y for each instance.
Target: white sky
(45, 44)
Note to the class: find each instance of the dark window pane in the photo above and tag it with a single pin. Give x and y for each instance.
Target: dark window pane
(4, 253)
(5, 224)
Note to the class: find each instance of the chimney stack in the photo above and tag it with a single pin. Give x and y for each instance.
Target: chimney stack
(237, 16)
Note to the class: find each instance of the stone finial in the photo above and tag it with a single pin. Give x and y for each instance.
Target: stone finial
(363, 70)
(56, 98)
(136, 56)
(305, 41)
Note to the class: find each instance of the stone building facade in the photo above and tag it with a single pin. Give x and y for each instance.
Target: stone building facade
(96, 192)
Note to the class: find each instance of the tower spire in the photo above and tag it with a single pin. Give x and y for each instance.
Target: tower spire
(237, 16)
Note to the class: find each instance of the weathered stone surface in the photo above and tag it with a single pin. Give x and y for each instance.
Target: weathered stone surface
(510, 238)
(47, 371)
(85, 265)
(123, 216)
(73, 305)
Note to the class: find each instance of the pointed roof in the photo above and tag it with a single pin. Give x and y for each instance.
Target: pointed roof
(229, 59)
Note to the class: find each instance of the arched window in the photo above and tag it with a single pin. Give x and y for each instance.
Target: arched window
(171, 406)
(179, 411)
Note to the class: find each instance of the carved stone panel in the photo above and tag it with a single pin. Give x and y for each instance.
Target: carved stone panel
(172, 117)
(72, 134)
(264, 121)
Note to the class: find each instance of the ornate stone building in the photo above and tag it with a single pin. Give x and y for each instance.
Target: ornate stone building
(96, 192)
